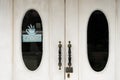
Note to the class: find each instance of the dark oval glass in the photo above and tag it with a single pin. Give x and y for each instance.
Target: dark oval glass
(32, 39)
(98, 40)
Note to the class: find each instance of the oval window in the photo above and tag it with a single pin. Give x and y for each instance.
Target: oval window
(32, 40)
(98, 40)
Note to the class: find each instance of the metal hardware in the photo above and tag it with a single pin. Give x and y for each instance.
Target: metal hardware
(69, 69)
(60, 55)
(69, 54)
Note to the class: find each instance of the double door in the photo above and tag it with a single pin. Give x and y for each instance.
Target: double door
(62, 40)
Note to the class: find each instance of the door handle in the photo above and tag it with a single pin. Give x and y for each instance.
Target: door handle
(59, 55)
(69, 69)
(69, 54)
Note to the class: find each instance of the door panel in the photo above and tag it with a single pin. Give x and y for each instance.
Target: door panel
(6, 45)
(20, 70)
(85, 10)
(117, 41)
(56, 34)
(71, 34)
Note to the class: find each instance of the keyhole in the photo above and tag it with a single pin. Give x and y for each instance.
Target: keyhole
(68, 75)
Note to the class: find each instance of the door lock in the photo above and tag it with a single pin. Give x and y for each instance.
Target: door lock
(69, 69)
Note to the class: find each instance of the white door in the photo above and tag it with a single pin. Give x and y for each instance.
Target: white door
(117, 41)
(6, 39)
(31, 40)
(68, 23)
(86, 12)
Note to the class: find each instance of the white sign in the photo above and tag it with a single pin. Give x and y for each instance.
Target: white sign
(31, 35)
(32, 38)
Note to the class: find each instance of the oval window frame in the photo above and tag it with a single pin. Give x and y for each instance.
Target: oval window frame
(22, 38)
(105, 17)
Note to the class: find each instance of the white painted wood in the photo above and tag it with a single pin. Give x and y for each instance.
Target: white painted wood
(20, 70)
(117, 40)
(56, 34)
(72, 35)
(6, 40)
(86, 7)
(62, 21)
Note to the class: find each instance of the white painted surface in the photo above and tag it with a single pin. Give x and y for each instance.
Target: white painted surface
(56, 23)
(6, 40)
(20, 70)
(117, 41)
(72, 35)
(86, 7)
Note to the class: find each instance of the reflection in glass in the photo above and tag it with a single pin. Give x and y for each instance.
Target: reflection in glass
(32, 40)
(98, 40)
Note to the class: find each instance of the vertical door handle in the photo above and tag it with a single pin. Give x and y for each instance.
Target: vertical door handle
(69, 69)
(59, 55)
(69, 54)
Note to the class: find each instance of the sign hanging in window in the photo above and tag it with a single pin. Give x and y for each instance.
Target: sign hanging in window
(32, 35)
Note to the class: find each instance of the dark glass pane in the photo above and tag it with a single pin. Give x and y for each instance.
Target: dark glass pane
(98, 40)
(32, 39)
